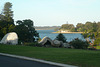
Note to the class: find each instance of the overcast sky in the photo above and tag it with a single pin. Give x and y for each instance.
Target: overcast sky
(55, 12)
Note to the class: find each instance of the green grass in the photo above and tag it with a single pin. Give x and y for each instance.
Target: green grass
(78, 57)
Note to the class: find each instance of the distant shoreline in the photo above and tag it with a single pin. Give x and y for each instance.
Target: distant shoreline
(67, 32)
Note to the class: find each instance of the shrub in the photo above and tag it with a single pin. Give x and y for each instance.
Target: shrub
(79, 44)
(61, 37)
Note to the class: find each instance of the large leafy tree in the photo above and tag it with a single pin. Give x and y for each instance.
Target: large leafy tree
(26, 31)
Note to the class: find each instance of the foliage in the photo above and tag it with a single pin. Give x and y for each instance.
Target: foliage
(97, 47)
(61, 37)
(73, 30)
(85, 34)
(98, 27)
(68, 27)
(6, 19)
(80, 27)
(79, 44)
(97, 41)
(7, 12)
(88, 26)
(91, 35)
(26, 32)
(91, 31)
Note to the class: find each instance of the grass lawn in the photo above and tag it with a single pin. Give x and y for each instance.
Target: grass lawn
(78, 57)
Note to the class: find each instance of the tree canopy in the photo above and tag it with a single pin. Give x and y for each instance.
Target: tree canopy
(26, 31)
(80, 27)
(69, 27)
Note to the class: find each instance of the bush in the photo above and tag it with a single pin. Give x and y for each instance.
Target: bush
(61, 37)
(79, 44)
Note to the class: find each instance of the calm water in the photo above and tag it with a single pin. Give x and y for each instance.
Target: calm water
(51, 35)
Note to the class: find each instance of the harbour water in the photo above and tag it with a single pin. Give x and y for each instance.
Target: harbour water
(69, 37)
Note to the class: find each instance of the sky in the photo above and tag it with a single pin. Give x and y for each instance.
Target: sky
(55, 12)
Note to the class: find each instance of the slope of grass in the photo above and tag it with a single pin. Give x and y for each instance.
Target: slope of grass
(81, 58)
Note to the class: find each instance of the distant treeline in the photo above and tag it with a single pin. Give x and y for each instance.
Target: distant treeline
(88, 26)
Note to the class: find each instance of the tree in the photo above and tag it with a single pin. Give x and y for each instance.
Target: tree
(6, 19)
(69, 27)
(8, 15)
(7, 12)
(95, 26)
(91, 31)
(97, 41)
(80, 27)
(26, 31)
(98, 27)
(61, 37)
(88, 26)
